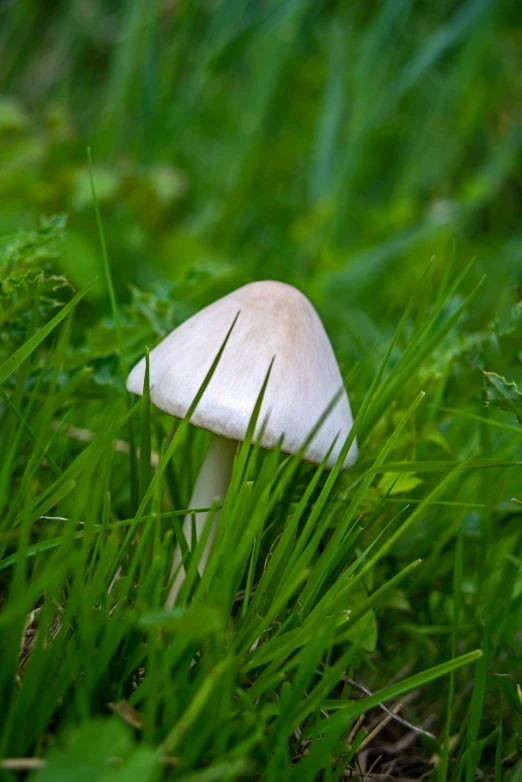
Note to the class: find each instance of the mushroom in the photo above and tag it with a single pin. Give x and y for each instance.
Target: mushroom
(275, 320)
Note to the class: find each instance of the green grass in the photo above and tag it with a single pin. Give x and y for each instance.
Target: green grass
(329, 561)
(338, 147)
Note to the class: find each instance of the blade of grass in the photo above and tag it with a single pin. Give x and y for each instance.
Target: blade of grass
(106, 267)
(442, 771)
(145, 445)
(19, 356)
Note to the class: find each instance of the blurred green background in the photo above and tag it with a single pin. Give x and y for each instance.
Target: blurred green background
(334, 145)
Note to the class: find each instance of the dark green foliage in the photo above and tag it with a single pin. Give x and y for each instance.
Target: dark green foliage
(28, 280)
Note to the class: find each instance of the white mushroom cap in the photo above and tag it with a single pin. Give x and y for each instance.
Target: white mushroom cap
(275, 320)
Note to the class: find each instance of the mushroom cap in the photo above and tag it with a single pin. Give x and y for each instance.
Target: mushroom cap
(275, 320)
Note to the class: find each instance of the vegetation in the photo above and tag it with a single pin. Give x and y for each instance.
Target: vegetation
(366, 153)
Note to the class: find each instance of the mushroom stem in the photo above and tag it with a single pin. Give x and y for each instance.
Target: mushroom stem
(212, 481)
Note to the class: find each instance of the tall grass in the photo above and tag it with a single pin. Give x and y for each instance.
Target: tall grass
(245, 674)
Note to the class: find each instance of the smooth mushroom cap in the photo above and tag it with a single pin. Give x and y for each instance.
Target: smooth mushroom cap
(275, 320)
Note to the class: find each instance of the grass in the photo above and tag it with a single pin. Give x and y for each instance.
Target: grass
(238, 680)
(337, 147)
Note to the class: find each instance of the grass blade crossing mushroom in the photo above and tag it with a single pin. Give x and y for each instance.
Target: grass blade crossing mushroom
(275, 320)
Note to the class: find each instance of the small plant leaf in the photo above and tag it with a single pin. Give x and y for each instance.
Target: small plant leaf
(101, 750)
(502, 394)
(402, 484)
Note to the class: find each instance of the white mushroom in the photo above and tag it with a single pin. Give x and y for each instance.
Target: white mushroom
(275, 320)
